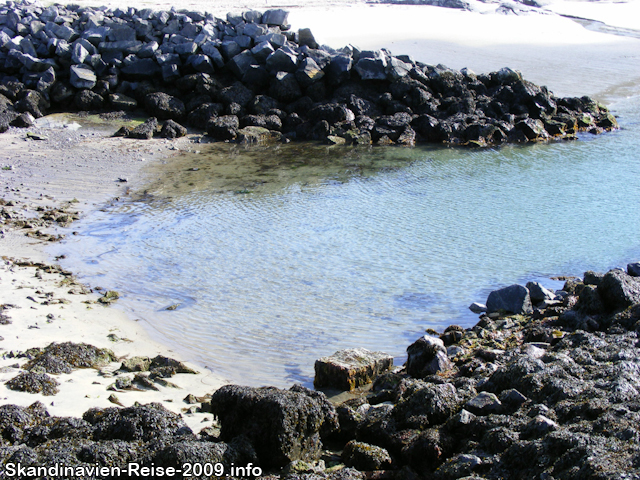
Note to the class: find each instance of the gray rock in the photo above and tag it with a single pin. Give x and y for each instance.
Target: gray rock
(372, 65)
(171, 129)
(262, 50)
(142, 69)
(186, 49)
(539, 426)
(511, 299)
(170, 72)
(538, 293)
(277, 17)
(305, 37)
(229, 49)
(309, 73)
(24, 120)
(277, 40)
(282, 60)
(79, 53)
(285, 88)
(484, 404)
(146, 130)
(254, 30)
(476, 307)
(168, 59)
(211, 49)
(240, 64)
(202, 64)
(82, 76)
(633, 269)
(396, 68)
(121, 33)
(339, 69)
(148, 50)
(427, 356)
(33, 102)
(125, 46)
(619, 290)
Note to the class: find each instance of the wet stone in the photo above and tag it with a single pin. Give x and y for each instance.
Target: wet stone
(350, 369)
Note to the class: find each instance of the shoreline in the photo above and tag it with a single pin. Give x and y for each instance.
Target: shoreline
(94, 190)
(69, 317)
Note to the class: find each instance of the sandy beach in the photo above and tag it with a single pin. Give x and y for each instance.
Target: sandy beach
(79, 170)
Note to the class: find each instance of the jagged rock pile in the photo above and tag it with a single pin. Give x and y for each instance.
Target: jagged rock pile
(550, 392)
(251, 70)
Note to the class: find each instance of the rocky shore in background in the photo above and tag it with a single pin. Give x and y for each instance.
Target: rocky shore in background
(250, 78)
(545, 385)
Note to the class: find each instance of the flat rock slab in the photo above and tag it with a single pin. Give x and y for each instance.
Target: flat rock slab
(351, 368)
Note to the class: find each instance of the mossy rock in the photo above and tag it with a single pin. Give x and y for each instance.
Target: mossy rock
(65, 357)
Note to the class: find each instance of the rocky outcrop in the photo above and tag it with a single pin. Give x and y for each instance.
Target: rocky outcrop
(550, 392)
(218, 74)
(282, 425)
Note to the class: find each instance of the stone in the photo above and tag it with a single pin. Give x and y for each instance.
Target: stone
(533, 129)
(308, 73)
(262, 50)
(282, 425)
(146, 130)
(120, 101)
(427, 356)
(87, 100)
(478, 308)
(633, 269)
(252, 135)
(171, 129)
(33, 102)
(285, 88)
(483, 404)
(538, 293)
(619, 290)
(305, 37)
(82, 76)
(240, 64)
(365, 457)
(24, 120)
(339, 69)
(34, 383)
(282, 60)
(539, 426)
(210, 49)
(350, 369)
(372, 65)
(136, 364)
(276, 17)
(224, 127)
(202, 64)
(142, 69)
(164, 106)
(511, 299)
(397, 69)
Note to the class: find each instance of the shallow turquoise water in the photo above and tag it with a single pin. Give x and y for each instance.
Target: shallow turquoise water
(365, 253)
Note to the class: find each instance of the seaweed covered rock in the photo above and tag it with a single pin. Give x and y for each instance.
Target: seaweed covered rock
(64, 357)
(365, 457)
(144, 422)
(34, 383)
(282, 425)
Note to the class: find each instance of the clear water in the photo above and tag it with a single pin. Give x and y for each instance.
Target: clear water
(279, 256)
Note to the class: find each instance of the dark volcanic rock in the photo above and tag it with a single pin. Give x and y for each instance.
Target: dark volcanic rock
(619, 290)
(223, 128)
(163, 106)
(146, 130)
(349, 369)
(145, 422)
(281, 425)
(171, 129)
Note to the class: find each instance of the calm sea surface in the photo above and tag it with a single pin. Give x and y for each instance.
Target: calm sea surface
(278, 256)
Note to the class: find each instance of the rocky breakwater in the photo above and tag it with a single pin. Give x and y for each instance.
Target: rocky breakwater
(250, 78)
(546, 385)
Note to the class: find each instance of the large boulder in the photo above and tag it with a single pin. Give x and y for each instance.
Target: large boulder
(619, 290)
(164, 106)
(282, 425)
(427, 356)
(224, 127)
(351, 368)
(511, 299)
